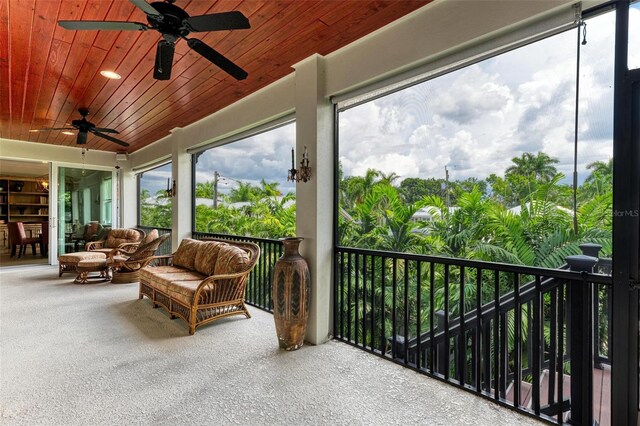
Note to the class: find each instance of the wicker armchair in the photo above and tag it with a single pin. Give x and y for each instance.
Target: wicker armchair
(88, 233)
(117, 238)
(126, 266)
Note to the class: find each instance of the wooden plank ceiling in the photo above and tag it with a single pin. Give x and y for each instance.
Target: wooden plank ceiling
(47, 72)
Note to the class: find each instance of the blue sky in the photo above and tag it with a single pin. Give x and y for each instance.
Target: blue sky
(473, 120)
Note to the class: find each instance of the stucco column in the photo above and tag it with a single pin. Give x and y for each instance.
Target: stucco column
(181, 205)
(314, 199)
(128, 196)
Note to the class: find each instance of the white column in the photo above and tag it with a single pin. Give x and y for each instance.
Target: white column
(128, 201)
(314, 199)
(181, 205)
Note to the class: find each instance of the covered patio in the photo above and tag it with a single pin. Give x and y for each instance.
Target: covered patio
(95, 354)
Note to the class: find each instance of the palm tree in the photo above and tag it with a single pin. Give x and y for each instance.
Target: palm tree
(600, 181)
(601, 167)
(388, 178)
(356, 187)
(396, 234)
(243, 193)
(269, 189)
(539, 166)
(204, 190)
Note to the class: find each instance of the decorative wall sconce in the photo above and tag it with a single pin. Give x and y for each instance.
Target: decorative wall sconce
(304, 173)
(171, 190)
(42, 183)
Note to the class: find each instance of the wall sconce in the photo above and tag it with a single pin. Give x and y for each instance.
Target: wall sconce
(42, 183)
(171, 191)
(304, 173)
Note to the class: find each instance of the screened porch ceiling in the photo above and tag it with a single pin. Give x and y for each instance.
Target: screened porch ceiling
(50, 72)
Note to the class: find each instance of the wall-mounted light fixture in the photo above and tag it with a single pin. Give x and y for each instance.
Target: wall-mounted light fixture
(171, 190)
(304, 173)
(42, 183)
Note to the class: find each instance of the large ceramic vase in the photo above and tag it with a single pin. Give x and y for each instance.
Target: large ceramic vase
(291, 296)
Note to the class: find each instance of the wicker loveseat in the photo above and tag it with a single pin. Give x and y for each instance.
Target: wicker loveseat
(204, 280)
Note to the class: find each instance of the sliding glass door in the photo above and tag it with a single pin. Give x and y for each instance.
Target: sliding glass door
(84, 207)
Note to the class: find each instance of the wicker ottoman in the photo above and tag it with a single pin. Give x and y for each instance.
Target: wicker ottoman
(86, 266)
(69, 262)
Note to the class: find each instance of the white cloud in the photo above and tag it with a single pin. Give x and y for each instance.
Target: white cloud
(476, 119)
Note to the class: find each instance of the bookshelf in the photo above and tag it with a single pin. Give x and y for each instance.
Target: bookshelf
(22, 200)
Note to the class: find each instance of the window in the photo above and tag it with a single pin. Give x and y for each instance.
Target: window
(478, 163)
(634, 36)
(107, 191)
(154, 209)
(241, 188)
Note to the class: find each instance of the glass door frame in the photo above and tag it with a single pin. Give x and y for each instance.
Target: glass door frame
(54, 220)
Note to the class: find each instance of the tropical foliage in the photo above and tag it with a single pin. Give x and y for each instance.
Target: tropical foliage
(523, 217)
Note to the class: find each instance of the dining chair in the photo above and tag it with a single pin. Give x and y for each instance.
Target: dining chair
(18, 237)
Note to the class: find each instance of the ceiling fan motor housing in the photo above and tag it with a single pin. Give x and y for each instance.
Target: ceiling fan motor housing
(171, 23)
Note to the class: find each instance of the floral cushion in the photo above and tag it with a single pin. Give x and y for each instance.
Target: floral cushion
(185, 256)
(207, 256)
(231, 259)
(121, 236)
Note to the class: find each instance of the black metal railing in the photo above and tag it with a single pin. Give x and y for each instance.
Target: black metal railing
(165, 247)
(258, 292)
(486, 327)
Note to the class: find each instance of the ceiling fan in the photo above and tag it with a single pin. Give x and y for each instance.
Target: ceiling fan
(174, 23)
(84, 128)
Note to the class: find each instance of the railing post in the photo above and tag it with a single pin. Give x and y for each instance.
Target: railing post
(441, 366)
(590, 249)
(581, 329)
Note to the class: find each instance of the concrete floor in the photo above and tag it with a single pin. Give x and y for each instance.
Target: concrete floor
(94, 354)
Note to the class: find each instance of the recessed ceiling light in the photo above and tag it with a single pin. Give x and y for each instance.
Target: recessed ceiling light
(68, 133)
(110, 74)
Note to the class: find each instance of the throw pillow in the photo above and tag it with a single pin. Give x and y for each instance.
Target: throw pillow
(207, 255)
(231, 259)
(185, 256)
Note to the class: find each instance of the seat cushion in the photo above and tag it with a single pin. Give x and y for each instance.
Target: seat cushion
(183, 290)
(81, 255)
(207, 256)
(185, 256)
(105, 250)
(162, 280)
(165, 269)
(231, 259)
(121, 236)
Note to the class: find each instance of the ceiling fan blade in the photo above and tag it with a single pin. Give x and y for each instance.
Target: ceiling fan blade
(110, 138)
(217, 59)
(218, 21)
(146, 7)
(103, 25)
(82, 138)
(56, 128)
(164, 60)
(104, 130)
